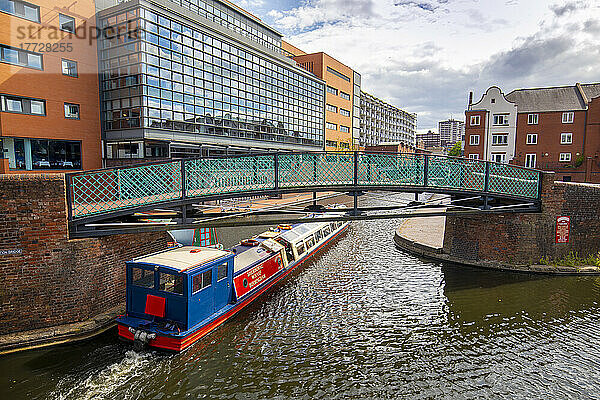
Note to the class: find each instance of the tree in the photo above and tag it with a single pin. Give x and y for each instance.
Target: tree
(455, 150)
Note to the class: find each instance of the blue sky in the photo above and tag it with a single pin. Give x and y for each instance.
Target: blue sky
(426, 55)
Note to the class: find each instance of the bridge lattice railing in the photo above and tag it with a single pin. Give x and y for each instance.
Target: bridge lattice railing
(114, 189)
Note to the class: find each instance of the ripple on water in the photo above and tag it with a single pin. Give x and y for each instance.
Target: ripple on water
(364, 320)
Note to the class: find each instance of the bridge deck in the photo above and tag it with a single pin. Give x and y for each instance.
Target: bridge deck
(94, 195)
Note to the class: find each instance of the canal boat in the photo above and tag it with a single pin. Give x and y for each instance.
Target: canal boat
(177, 296)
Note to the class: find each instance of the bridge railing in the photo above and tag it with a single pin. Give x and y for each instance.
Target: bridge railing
(103, 191)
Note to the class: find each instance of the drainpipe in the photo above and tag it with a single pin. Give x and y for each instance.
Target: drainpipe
(585, 101)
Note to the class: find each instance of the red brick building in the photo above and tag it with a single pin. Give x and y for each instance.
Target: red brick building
(552, 129)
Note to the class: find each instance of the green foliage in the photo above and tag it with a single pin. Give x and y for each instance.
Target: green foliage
(455, 150)
(573, 260)
(579, 160)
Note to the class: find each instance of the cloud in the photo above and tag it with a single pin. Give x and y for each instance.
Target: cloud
(427, 61)
(528, 57)
(317, 13)
(561, 10)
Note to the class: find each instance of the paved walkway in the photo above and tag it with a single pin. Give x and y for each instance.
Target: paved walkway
(428, 231)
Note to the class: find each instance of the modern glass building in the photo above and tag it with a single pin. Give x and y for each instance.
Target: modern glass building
(185, 77)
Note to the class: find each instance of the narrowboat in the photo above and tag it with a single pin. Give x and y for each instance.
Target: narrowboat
(177, 296)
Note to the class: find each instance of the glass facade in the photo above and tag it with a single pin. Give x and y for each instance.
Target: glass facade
(234, 20)
(40, 154)
(161, 74)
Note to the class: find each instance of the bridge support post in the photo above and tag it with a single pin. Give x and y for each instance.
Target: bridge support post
(183, 194)
(486, 187)
(276, 170)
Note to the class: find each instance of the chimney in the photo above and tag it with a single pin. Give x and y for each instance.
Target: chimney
(582, 94)
(470, 99)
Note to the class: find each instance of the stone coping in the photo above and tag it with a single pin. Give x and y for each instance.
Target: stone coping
(54, 335)
(437, 254)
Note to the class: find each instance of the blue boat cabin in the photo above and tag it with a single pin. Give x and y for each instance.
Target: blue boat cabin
(178, 288)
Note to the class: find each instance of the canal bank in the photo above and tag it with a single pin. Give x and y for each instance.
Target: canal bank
(363, 320)
(424, 236)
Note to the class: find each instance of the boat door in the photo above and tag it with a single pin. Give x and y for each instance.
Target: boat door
(202, 300)
(224, 277)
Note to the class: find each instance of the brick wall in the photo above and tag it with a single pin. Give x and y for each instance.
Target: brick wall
(525, 238)
(54, 280)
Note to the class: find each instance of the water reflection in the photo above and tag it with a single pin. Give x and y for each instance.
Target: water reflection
(364, 320)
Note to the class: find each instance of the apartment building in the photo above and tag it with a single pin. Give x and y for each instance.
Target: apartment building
(429, 140)
(451, 131)
(342, 100)
(49, 108)
(194, 77)
(554, 129)
(382, 122)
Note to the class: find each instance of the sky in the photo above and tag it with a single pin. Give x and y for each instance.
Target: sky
(425, 56)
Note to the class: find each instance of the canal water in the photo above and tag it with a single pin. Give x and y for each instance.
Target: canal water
(364, 320)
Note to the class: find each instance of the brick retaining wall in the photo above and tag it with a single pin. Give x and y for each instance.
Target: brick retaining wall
(525, 238)
(53, 280)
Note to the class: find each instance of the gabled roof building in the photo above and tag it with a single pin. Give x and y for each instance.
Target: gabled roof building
(553, 128)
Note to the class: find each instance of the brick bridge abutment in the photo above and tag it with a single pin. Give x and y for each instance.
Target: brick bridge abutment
(524, 239)
(46, 279)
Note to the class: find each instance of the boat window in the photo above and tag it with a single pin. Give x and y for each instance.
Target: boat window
(318, 236)
(326, 231)
(222, 272)
(310, 241)
(171, 283)
(142, 278)
(333, 226)
(300, 248)
(202, 281)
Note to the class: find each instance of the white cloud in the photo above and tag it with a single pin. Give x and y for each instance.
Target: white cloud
(426, 55)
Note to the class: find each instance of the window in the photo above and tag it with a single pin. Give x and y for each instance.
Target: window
(66, 23)
(500, 139)
(331, 108)
(345, 113)
(142, 278)
(345, 145)
(338, 74)
(344, 96)
(300, 248)
(21, 9)
(330, 143)
(318, 236)
(332, 90)
(530, 160)
(564, 157)
(566, 138)
(310, 241)
(23, 105)
(345, 129)
(202, 281)
(532, 119)
(69, 68)
(567, 117)
(222, 272)
(71, 111)
(474, 156)
(171, 283)
(475, 120)
(45, 154)
(474, 140)
(11, 55)
(531, 138)
(501, 119)
(331, 126)
(499, 157)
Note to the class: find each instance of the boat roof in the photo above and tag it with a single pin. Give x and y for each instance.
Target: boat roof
(183, 258)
